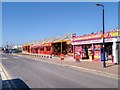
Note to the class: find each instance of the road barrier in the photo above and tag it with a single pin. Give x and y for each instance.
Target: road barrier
(38, 55)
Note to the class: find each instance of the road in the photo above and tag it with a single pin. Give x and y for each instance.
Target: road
(38, 74)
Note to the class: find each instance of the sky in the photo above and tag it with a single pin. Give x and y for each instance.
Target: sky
(24, 22)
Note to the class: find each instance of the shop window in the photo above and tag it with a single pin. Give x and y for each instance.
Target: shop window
(48, 48)
(69, 48)
(41, 48)
(97, 47)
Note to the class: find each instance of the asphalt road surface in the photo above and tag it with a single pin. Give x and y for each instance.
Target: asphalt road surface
(30, 73)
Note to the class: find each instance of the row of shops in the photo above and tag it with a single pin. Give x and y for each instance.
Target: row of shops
(85, 46)
(54, 46)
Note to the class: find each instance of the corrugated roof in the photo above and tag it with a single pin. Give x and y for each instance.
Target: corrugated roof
(54, 39)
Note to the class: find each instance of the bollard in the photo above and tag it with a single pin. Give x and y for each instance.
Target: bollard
(62, 56)
(77, 58)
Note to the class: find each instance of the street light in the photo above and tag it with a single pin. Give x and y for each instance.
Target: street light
(103, 46)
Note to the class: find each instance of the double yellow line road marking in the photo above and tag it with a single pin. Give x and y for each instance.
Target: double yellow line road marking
(4, 74)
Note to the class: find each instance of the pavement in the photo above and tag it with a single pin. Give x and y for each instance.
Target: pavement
(95, 67)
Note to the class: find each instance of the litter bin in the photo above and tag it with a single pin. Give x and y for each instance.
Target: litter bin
(77, 57)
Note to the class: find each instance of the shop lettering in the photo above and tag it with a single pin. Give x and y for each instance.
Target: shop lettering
(94, 36)
(114, 33)
(87, 37)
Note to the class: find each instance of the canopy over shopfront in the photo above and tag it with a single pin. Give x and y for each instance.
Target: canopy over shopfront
(56, 45)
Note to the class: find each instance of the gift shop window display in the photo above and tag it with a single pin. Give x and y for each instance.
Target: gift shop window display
(78, 51)
(36, 50)
(97, 52)
(56, 49)
(64, 48)
(86, 50)
(69, 48)
(41, 49)
(47, 50)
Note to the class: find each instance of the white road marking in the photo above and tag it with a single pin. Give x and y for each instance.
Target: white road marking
(15, 57)
(2, 58)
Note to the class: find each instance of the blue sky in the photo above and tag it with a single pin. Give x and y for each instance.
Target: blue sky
(28, 21)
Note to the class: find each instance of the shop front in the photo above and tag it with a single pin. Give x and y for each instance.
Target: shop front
(58, 48)
(47, 48)
(91, 46)
(34, 49)
(26, 49)
(65, 47)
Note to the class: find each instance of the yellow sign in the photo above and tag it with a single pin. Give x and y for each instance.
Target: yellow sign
(115, 33)
(96, 56)
(68, 42)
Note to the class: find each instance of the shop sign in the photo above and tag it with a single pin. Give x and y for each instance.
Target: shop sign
(68, 42)
(97, 36)
(47, 44)
(87, 37)
(86, 42)
(116, 33)
(97, 54)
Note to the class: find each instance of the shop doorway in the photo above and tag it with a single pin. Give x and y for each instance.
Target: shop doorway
(108, 50)
(86, 49)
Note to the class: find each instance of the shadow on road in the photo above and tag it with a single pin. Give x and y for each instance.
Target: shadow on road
(14, 84)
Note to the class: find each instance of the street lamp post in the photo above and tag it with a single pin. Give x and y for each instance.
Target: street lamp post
(103, 46)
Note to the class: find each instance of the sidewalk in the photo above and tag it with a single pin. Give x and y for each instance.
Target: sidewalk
(96, 67)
